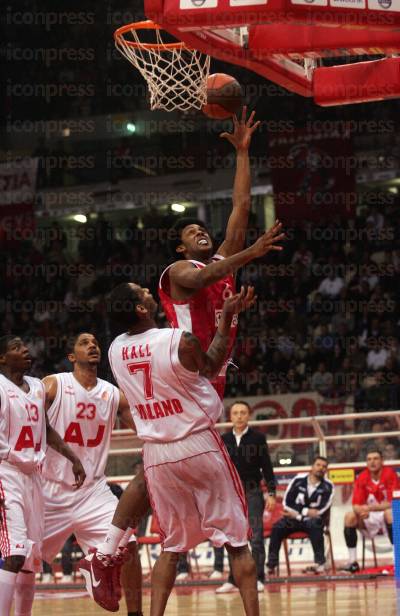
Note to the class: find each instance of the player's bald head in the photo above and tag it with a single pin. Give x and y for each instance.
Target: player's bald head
(121, 306)
(128, 304)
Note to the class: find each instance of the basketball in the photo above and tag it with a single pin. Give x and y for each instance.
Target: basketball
(224, 96)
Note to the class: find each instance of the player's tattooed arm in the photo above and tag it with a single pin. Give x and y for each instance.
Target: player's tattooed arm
(209, 363)
(193, 358)
(124, 413)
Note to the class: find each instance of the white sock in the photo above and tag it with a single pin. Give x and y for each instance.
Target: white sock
(8, 581)
(125, 539)
(24, 594)
(352, 555)
(113, 539)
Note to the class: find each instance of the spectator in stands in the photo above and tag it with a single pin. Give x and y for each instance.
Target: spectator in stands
(377, 356)
(331, 285)
(249, 452)
(321, 380)
(303, 255)
(378, 442)
(391, 450)
(376, 219)
(372, 505)
(306, 503)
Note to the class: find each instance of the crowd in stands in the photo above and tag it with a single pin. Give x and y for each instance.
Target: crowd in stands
(327, 318)
(332, 318)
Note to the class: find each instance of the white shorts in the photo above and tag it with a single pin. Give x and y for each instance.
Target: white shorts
(195, 492)
(86, 513)
(21, 522)
(374, 524)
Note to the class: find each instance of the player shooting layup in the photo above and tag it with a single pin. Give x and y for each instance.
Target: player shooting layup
(193, 290)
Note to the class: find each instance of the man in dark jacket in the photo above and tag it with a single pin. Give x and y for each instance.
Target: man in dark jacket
(306, 503)
(248, 450)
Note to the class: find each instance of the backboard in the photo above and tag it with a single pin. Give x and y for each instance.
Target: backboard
(287, 41)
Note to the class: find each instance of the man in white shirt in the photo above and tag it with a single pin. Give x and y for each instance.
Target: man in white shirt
(331, 285)
(248, 450)
(377, 356)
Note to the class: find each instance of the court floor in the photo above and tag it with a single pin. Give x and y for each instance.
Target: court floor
(372, 598)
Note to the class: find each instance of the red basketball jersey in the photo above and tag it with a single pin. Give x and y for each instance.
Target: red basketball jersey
(367, 491)
(201, 312)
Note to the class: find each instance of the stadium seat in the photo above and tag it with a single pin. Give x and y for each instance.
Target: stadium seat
(299, 535)
(372, 539)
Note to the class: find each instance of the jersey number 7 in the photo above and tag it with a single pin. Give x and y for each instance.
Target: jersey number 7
(145, 367)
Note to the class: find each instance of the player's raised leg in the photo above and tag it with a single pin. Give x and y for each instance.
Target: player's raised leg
(133, 504)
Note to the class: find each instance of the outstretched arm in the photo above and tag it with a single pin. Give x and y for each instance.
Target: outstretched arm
(186, 276)
(209, 363)
(237, 224)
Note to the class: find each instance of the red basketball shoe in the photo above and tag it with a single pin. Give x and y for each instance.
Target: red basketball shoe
(99, 572)
(120, 558)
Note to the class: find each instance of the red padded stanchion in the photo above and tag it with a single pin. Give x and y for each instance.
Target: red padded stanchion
(357, 83)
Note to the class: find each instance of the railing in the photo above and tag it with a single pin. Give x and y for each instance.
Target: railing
(316, 423)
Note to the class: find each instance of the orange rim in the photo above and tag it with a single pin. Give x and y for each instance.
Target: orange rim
(144, 25)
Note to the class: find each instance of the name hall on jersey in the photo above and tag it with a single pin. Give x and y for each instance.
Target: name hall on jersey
(134, 352)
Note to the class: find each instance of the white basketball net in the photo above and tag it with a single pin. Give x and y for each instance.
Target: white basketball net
(176, 77)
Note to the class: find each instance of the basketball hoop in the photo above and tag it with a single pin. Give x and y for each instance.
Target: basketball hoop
(176, 75)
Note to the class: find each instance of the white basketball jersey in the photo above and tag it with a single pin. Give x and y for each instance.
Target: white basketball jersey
(168, 402)
(84, 419)
(22, 424)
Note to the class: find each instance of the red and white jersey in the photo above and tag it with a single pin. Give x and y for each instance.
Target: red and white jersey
(200, 313)
(22, 424)
(84, 419)
(168, 402)
(367, 491)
